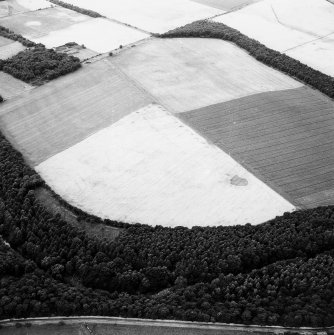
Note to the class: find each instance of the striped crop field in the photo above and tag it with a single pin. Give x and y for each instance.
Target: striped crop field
(150, 168)
(55, 116)
(286, 138)
(188, 73)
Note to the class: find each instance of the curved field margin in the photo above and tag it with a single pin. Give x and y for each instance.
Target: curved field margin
(184, 74)
(208, 29)
(150, 168)
(286, 138)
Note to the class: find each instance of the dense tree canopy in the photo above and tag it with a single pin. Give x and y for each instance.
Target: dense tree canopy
(5, 32)
(76, 8)
(39, 64)
(280, 272)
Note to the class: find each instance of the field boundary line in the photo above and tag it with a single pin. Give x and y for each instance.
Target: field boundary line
(162, 323)
(247, 166)
(138, 85)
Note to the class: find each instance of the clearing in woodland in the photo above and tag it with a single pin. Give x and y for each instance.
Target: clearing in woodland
(151, 168)
(13, 7)
(156, 16)
(292, 27)
(286, 138)
(57, 115)
(188, 73)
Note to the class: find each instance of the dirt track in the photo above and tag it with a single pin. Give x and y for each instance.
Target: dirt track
(120, 326)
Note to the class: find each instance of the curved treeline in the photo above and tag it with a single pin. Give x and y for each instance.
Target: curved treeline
(80, 10)
(280, 272)
(273, 58)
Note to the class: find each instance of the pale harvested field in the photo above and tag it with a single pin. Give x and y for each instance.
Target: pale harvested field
(99, 34)
(40, 23)
(10, 50)
(10, 86)
(151, 168)
(155, 16)
(318, 54)
(57, 115)
(286, 138)
(299, 28)
(226, 5)
(12, 7)
(184, 74)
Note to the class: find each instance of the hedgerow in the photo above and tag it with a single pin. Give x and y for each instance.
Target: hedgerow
(76, 8)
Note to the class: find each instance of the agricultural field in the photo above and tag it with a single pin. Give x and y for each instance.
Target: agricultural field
(36, 24)
(13, 7)
(156, 170)
(226, 5)
(92, 34)
(285, 138)
(10, 86)
(292, 27)
(57, 26)
(188, 73)
(53, 117)
(154, 16)
(9, 48)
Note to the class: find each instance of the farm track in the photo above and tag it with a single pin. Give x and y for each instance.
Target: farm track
(122, 326)
(286, 138)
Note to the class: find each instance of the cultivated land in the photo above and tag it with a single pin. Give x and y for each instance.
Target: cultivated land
(151, 168)
(33, 25)
(9, 48)
(11, 7)
(226, 5)
(57, 115)
(127, 326)
(100, 35)
(286, 138)
(292, 27)
(156, 16)
(188, 73)
(10, 86)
